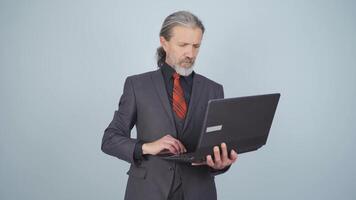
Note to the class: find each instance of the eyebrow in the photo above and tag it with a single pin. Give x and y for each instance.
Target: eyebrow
(189, 43)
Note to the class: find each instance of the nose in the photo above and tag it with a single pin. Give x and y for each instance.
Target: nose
(189, 52)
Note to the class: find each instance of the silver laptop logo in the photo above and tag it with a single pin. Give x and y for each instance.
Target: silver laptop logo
(213, 128)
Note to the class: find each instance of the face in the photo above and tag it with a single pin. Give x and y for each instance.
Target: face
(183, 47)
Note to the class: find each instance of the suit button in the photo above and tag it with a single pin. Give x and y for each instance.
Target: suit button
(171, 168)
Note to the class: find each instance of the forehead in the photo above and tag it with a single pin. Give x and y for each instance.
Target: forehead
(187, 34)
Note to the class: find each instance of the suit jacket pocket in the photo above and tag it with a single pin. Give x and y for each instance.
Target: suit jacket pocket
(139, 172)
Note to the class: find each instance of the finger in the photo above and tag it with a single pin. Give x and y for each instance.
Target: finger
(167, 139)
(217, 159)
(170, 148)
(233, 155)
(176, 143)
(172, 144)
(181, 146)
(224, 153)
(209, 161)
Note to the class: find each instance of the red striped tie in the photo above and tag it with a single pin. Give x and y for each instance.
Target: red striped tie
(179, 105)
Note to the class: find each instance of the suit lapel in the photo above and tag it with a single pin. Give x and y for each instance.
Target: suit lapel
(161, 90)
(194, 99)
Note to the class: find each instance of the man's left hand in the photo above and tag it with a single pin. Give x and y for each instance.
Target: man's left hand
(221, 160)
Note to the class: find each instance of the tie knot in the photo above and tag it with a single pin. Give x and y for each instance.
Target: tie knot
(176, 75)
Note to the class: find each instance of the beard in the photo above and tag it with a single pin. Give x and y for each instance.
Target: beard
(185, 71)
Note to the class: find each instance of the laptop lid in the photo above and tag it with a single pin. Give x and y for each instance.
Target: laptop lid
(243, 123)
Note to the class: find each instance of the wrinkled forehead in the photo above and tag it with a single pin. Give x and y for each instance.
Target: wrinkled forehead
(189, 35)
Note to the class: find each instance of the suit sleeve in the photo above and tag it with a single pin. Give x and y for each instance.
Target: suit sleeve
(117, 139)
(219, 95)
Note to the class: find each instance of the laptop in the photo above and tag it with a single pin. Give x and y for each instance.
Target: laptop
(243, 123)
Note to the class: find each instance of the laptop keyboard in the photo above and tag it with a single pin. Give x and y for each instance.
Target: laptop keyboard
(185, 158)
(182, 157)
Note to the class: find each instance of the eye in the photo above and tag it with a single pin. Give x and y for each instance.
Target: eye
(197, 46)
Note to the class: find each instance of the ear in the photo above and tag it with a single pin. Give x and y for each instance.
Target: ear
(163, 43)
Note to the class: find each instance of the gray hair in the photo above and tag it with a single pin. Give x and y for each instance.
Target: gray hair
(180, 18)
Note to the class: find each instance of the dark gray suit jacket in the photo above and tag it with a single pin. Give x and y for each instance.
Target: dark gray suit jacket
(145, 103)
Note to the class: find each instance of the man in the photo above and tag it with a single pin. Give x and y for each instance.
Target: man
(167, 106)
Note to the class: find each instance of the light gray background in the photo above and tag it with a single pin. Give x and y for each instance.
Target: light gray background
(63, 65)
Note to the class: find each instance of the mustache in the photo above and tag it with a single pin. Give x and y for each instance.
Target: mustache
(188, 60)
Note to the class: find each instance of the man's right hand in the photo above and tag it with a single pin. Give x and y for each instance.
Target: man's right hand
(165, 144)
